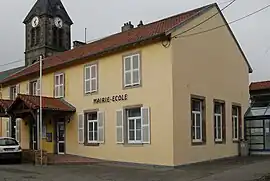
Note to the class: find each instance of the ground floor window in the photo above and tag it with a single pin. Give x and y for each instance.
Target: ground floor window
(133, 125)
(92, 127)
(236, 123)
(219, 122)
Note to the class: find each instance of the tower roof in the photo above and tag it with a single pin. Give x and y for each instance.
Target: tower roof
(50, 8)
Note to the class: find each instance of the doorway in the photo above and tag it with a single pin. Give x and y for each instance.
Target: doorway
(60, 137)
(34, 137)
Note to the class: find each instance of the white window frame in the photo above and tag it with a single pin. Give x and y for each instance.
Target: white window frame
(35, 87)
(88, 130)
(235, 121)
(195, 113)
(132, 70)
(14, 92)
(135, 119)
(90, 79)
(58, 87)
(217, 129)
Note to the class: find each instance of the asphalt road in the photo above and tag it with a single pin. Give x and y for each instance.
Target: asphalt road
(244, 169)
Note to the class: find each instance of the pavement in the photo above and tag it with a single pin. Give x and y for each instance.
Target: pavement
(240, 169)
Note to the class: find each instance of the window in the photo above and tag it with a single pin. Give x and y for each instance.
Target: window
(14, 90)
(219, 122)
(133, 125)
(34, 88)
(91, 128)
(90, 79)
(198, 122)
(132, 70)
(35, 36)
(59, 87)
(58, 37)
(236, 123)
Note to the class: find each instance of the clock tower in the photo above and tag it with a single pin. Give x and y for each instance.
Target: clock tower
(47, 30)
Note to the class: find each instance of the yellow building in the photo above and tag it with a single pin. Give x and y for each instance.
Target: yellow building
(163, 93)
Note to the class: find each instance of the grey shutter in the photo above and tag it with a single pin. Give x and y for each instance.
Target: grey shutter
(8, 128)
(18, 128)
(145, 125)
(80, 128)
(119, 126)
(101, 125)
(17, 90)
(28, 88)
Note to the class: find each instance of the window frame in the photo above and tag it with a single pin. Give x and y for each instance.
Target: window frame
(35, 92)
(86, 141)
(222, 116)
(59, 86)
(95, 140)
(202, 113)
(236, 118)
(90, 79)
(139, 69)
(127, 123)
(13, 94)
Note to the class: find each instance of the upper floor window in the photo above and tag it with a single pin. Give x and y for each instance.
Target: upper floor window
(132, 72)
(90, 79)
(59, 85)
(13, 92)
(34, 88)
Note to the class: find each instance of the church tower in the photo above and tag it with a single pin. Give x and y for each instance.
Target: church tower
(47, 30)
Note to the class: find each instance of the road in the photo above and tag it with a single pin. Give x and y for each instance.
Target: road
(244, 169)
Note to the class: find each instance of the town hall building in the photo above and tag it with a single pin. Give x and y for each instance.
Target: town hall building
(158, 93)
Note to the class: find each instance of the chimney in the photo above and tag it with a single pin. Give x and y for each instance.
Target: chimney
(77, 43)
(140, 24)
(127, 26)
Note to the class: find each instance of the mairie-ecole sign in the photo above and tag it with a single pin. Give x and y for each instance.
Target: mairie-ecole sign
(115, 98)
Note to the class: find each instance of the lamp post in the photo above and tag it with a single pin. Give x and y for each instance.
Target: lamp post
(40, 107)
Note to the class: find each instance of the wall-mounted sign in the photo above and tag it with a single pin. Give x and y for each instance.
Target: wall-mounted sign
(116, 98)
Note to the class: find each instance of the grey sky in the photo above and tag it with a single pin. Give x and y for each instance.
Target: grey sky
(103, 17)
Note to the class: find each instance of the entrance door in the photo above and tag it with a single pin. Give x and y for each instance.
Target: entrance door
(267, 134)
(60, 137)
(34, 137)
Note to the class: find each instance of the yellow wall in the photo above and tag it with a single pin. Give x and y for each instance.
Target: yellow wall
(156, 68)
(209, 65)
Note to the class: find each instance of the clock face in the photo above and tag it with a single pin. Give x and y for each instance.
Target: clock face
(58, 22)
(35, 21)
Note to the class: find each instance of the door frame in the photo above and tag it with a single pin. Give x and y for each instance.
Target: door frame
(57, 140)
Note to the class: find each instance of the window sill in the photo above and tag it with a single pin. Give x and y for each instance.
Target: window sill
(219, 142)
(132, 86)
(198, 143)
(90, 93)
(236, 140)
(91, 144)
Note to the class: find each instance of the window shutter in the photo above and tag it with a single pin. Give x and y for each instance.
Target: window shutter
(101, 125)
(81, 128)
(93, 78)
(8, 128)
(17, 132)
(17, 90)
(28, 88)
(64, 86)
(119, 126)
(38, 87)
(145, 125)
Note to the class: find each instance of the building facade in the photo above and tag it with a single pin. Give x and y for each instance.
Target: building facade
(152, 94)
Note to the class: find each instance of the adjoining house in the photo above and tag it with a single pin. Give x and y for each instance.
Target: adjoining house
(257, 118)
(161, 93)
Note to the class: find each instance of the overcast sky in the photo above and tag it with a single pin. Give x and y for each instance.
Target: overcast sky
(104, 17)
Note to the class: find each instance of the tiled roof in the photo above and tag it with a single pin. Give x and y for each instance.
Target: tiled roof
(5, 103)
(111, 43)
(6, 73)
(48, 103)
(259, 85)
